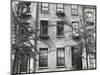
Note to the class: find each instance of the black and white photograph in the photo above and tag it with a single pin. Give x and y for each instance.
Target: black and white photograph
(52, 37)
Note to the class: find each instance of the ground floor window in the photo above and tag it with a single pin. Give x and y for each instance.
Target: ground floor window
(60, 57)
(92, 61)
(43, 57)
(23, 64)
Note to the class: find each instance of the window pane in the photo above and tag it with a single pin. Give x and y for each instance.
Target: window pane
(74, 9)
(23, 64)
(60, 9)
(60, 28)
(43, 57)
(75, 25)
(60, 5)
(60, 57)
(89, 14)
(44, 4)
(74, 6)
(45, 9)
(44, 27)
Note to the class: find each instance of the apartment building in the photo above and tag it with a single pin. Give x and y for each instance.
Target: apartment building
(58, 44)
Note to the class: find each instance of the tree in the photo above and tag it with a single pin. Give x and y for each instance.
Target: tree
(87, 39)
(24, 34)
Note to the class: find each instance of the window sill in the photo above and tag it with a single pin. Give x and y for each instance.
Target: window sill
(61, 66)
(74, 14)
(43, 68)
(60, 36)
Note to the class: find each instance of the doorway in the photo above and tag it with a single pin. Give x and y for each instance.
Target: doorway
(76, 58)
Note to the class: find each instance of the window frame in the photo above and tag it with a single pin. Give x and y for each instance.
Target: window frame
(60, 25)
(41, 28)
(75, 9)
(44, 11)
(76, 28)
(57, 8)
(45, 49)
(60, 66)
(25, 66)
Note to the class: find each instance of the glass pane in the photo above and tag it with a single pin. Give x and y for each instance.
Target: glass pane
(60, 57)
(43, 57)
(44, 27)
(44, 4)
(60, 9)
(61, 61)
(60, 5)
(60, 52)
(76, 25)
(74, 6)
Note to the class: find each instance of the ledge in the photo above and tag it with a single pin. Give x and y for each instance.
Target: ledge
(60, 36)
(43, 68)
(61, 67)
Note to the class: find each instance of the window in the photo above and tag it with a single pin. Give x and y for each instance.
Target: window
(75, 27)
(89, 14)
(60, 57)
(43, 27)
(92, 61)
(43, 57)
(23, 64)
(44, 7)
(60, 7)
(89, 18)
(60, 28)
(74, 9)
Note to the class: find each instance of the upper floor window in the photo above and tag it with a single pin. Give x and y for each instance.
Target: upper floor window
(75, 27)
(60, 28)
(43, 27)
(45, 7)
(60, 7)
(43, 57)
(89, 14)
(60, 57)
(74, 9)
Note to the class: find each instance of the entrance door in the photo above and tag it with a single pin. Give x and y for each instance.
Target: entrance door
(76, 58)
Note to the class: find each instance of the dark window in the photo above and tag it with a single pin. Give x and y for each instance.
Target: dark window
(43, 27)
(60, 7)
(23, 64)
(74, 9)
(44, 7)
(43, 57)
(60, 57)
(60, 28)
